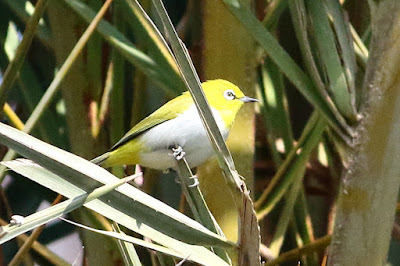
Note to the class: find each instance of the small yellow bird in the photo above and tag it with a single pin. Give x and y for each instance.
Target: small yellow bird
(177, 124)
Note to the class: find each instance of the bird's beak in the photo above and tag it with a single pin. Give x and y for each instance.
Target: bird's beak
(248, 99)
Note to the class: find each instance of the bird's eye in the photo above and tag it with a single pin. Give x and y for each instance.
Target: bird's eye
(229, 95)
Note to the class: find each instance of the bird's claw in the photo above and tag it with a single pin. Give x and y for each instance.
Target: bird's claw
(195, 181)
(178, 153)
(17, 220)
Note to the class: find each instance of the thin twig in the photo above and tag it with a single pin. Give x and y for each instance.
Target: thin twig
(51, 257)
(296, 254)
(13, 116)
(31, 239)
(100, 114)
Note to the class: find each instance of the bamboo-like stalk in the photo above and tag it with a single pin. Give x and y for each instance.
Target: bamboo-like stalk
(76, 94)
(369, 188)
(220, 43)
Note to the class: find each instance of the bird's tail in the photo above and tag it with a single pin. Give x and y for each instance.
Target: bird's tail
(100, 160)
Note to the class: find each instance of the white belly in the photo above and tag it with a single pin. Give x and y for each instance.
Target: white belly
(186, 131)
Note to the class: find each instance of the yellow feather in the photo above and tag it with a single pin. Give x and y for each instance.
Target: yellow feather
(214, 91)
(168, 111)
(127, 154)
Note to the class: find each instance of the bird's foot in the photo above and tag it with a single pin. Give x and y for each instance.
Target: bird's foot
(178, 153)
(195, 181)
(17, 220)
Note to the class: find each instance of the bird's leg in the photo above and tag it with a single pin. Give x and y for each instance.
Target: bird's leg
(178, 153)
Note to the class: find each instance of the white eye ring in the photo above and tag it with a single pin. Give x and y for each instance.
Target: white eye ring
(229, 95)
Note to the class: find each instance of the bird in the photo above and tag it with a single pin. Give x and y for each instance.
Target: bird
(176, 129)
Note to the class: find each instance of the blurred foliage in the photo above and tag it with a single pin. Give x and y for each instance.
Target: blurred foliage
(304, 60)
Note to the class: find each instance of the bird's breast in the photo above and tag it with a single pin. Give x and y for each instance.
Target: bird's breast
(186, 131)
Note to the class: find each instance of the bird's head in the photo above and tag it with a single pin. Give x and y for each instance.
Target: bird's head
(226, 98)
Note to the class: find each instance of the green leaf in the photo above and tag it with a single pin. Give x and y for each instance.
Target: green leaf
(296, 174)
(158, 47)
(23, 9)
(53, 87)
(146, 64)
(359, 48)
(127, 249)
(274, 110)
(129, 239)
(126, 205)
(13, 68)
(292, 168)
(28, 168)
(273, 12)
(338, 83)
(345, 47)
(287, 65)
